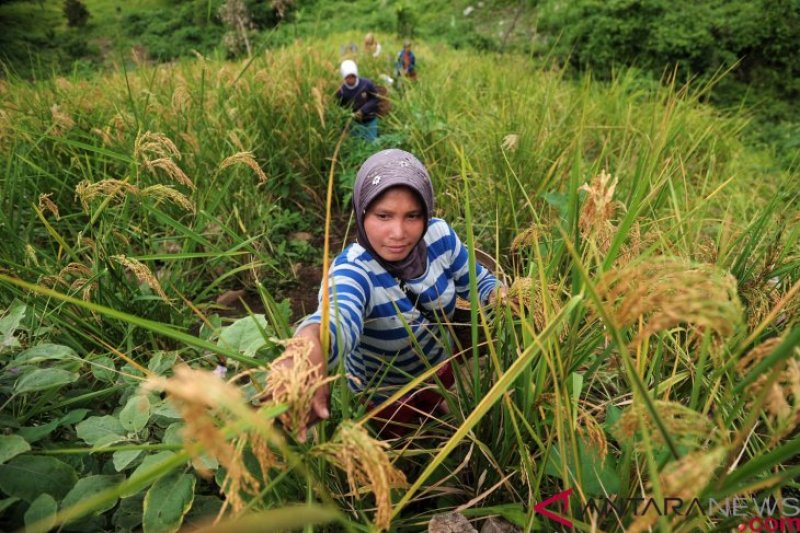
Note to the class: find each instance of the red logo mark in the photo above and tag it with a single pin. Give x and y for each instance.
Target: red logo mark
(562, 497)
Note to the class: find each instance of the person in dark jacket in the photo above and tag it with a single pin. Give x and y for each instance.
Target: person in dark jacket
(360, 95)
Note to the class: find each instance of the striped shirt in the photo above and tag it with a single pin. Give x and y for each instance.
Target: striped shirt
(370, 314)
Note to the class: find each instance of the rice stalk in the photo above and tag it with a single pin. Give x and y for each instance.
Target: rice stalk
(319, 104)
(294, 384)
(142, 274)
(598, 211)
(366, 462)
(663, 293)
(171, 169)
(685, 479)
(686, 425)
(148, 146)
(46, 204)
(164, 192)
(62, 121)
(212, 409)
(244, 158)
(510, 142)
(117, 189)
(782, 399)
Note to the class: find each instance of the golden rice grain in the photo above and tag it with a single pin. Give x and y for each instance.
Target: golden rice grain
(685, 425)
(366, 462)
(164, 192)
(598, 210)
(171, 169)
(87, 191)
(142, 274)
(663, 293)
(244, 158)
(685, 479)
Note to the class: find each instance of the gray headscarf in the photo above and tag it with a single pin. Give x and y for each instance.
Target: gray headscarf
(385, 169)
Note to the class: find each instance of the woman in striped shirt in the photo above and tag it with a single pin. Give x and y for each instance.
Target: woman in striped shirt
(403, 274)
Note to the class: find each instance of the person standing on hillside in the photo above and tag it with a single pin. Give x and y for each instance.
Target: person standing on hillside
(406, 62)
(361, 96)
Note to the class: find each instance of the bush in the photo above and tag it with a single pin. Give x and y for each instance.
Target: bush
(76, 13)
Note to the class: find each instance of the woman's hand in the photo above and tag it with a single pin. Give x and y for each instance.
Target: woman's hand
(310, 374)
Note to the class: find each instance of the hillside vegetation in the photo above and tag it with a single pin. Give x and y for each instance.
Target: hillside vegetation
(651, 348)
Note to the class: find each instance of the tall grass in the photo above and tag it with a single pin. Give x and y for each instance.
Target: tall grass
(649, 346)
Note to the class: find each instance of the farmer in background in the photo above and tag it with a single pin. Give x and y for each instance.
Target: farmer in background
(388, 292)
(361, 96)
(371, 46)
(406, 62)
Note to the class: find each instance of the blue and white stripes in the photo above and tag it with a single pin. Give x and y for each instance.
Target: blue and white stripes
(371, 315)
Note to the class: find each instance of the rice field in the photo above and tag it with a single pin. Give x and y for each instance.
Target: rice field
(648, 349)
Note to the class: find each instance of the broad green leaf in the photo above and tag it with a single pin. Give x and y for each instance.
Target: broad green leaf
(136, 413)
(90, 486)
(123, 458)
(244, 335)
(161, 362)
(101, 430)
(204, 509)
(45, 352)
(165, 409)
(129, 514)
(73, 417)
(166, 503)
(173, 434)
(598, 477)
(149, 462)
(6, 503)
(36, 433)
(103, 369)
(11, 446)
(29, 476)
(9, 324)
(43, 379)
(42, 508)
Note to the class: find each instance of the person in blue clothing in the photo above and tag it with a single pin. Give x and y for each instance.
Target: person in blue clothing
(406, 64)
(388, 291)
(361, 96)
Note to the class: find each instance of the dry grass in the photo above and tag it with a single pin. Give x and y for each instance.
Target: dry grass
(366, 462)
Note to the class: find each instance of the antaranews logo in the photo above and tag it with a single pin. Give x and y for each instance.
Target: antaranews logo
(756, 515)
(563, 498)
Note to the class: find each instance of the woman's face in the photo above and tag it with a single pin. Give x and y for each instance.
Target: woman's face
(350, 79)
(394, 223)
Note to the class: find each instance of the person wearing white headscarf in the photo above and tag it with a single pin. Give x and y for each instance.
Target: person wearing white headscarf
(361, 96)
